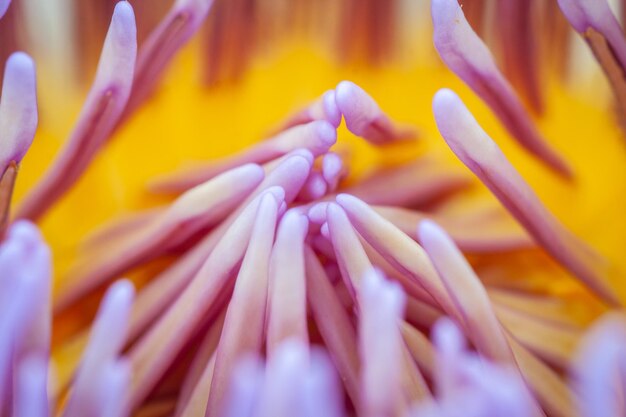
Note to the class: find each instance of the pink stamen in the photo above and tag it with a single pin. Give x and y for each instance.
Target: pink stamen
(381, 308)
(314, 188)
(481, 155)
(317, 137)
(402, 252)
(31, 391)
(18, 109)
(597, 15)
(193, 212)
(411, 185)
(287, 316)
(245, 319)
(4, 6)
(324, 108)
(365, 119)
(465, 54)
(467, 292)
(245, 388)
(333, 323)
(197, 373)
(177, 27)
(491, 233)
(107, 338)
(101, 111)
(600, 367)
(333, 170)
(156, 350)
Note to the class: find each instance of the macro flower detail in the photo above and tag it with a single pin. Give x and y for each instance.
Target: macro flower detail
(426, 240)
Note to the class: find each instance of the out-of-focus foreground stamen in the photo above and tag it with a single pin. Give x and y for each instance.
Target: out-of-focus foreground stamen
(18, 122)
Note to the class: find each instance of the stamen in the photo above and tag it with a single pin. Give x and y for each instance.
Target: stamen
(351, 257)
(333, 170)
(421, 349)
(284, 380)
(365, 119)
(467, 292)
(284, 183)
(287, 317)
(18, 109)
(112, 392)
(4, 5)
(472, 233)
(314, 188)
(322, 392)
(317, 137)
(595, 21)
(156, 350)
(199, 397)
(548, 387)
(469, 384)
(289, 174)
(450, 345)
(559, 311)
(598, 374)
(24, 283)
(177, 27)
(31, 393)
(107, 338)
(197, 380)
(245, 388)
(7, 183)
(481, 155)
(381, 309)
(411, 185)
(402, 252)
(324, 108)
(193, 212)
(245, 319)
(469, 58)
(354, 265)
(101, 111)
(551, 342)
(517, 28)
(333, 323)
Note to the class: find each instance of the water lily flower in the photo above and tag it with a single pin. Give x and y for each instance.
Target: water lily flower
(358, 208)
